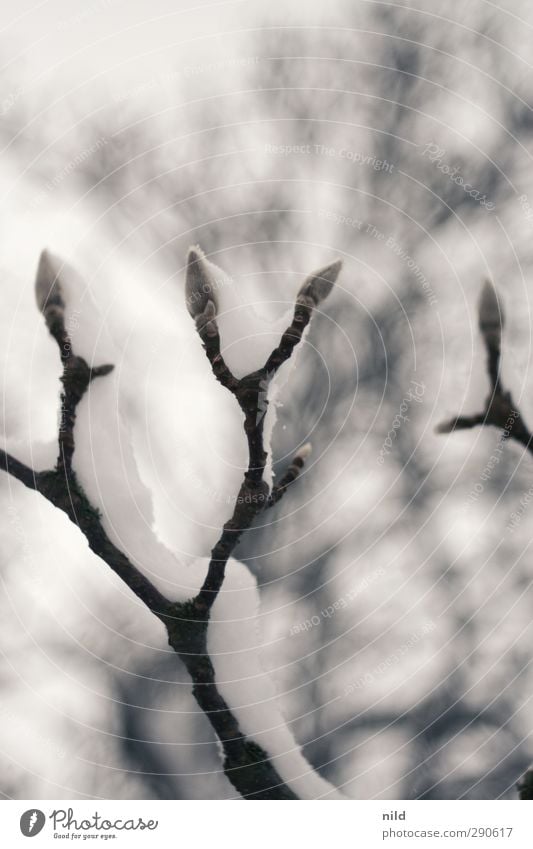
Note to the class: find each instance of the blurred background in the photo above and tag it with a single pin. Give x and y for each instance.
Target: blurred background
(396, 576)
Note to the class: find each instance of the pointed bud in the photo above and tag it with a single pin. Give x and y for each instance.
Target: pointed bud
(491, 317)
(318, 285)
(200, 284)
(304, 452)
(49, 295)
(47, 287)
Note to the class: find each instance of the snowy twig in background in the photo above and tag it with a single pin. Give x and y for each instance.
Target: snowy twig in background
(246, 764)
(500, 410)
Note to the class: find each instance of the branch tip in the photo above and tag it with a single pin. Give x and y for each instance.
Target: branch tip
(318, 285)
(491, 316)
(48, 292)
(200, 284)
(101, 371)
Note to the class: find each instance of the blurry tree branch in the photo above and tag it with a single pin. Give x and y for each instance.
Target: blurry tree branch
(246, 764)
(500, 411)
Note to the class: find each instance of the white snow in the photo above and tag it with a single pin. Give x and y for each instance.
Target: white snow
(235, 646)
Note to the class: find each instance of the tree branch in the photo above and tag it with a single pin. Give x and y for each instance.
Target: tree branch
(246, 764)
(18, 470)
(251, 393)
(500, 411)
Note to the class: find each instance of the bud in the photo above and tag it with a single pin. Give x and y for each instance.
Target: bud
(199, 285)
(47, 287)
(491, 317)
(304, 452)
(318, 285)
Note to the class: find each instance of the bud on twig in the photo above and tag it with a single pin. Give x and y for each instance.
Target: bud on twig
(491, 317)
(318, 285)
(200, 286)
(47, 287)
(304, 452)
(49, 295)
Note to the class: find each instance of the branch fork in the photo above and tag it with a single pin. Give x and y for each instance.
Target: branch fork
(251, 393)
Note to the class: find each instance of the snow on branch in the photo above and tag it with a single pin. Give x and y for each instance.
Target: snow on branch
(246, 764)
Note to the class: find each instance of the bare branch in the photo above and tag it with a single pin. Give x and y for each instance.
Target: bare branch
(460, 423)
(491, 321)
(18, 470)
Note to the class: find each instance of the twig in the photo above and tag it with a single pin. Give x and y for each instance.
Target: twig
(500, 409)
(77, 375)
(18, 470)
(251, 393)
